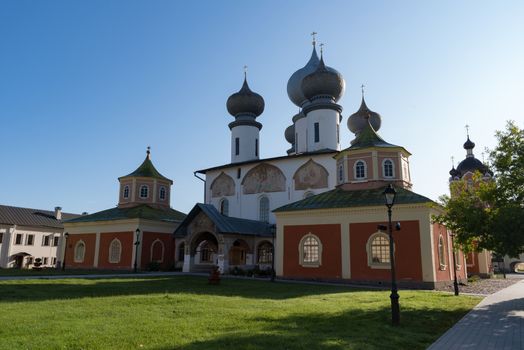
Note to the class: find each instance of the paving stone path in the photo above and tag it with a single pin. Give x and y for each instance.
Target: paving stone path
(496, 323)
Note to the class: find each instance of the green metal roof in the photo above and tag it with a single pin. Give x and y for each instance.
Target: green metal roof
(142, 211)
(368, 137)
(339, 198)
(147, 169)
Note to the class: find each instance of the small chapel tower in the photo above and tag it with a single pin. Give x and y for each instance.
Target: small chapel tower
(145, 185)
(245, 105)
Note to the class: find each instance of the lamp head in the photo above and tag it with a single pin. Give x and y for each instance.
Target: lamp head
(66, 235)
(389, 195)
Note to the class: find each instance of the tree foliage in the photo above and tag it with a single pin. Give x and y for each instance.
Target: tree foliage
(489, 213)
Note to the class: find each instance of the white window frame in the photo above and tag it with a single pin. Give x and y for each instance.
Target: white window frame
(27, 239)
(441, 253)
(76, 258)
(365, 170)
(392, 176)
(151, 251)
(372, 264)
(341, 173)
(112, 259)
(125, 192)
(140, 192)
(21, 239)
(301, 254)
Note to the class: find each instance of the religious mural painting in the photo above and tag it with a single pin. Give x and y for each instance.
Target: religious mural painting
(264, 178)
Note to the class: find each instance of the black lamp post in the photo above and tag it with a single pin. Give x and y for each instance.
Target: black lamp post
(273, 232)
(135, 269)
(66, 236)
(455, 282)
(389, 195)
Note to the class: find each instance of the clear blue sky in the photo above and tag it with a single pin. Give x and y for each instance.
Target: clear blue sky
(86, 86)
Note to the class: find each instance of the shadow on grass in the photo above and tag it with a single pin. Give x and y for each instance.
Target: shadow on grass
(41, 289)
(355, 329)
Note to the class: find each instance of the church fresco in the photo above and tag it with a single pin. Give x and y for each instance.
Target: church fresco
(223, 186)
(311, 175)
(264, 178)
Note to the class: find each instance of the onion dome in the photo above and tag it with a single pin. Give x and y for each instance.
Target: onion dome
(453, 172)
(294, 84)
(245, 102)
(471, 164)
(323, 83)
(290, 134)
(358, 120)
(469, 144)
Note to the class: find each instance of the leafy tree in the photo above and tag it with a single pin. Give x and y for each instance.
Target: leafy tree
(489, 213)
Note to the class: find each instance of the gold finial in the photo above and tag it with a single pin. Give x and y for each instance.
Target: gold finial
(362, 88)
(148, 152)
(452, 162)
(245, 72)
(314, 35)
(467, 130)
(321, 48)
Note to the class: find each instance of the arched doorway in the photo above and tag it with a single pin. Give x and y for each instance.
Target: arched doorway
(264, 254)
(238, 253)
(203, 252)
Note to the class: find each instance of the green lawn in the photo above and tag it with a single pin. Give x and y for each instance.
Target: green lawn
(186, 313)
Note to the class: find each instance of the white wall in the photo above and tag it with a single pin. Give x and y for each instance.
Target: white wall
(328, 120)
(37, 250)
(246, 205)
(247, 136)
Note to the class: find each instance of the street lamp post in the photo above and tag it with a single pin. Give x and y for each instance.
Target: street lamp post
(273, 232)
(66, 236)
(455, 282)
(389, 195)
(135, 268)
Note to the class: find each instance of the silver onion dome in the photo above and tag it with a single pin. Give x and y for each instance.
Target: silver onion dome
(323, 82)
(245, 102)
(358, 120)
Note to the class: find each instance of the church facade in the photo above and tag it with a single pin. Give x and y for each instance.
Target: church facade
(315, 211)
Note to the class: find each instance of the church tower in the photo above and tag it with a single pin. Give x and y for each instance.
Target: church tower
(315, 89)
(245, 105)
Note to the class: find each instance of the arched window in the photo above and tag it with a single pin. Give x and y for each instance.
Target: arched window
(441, 253)
(80, 251)
(308, 194)
(310, 251)
(205, 253)
(126, 192)
(162, 193)
(341, 173)
(115, 251)
(360, 170)
(378, 250)
(265, 253)
(224, 207)
(144, 191)
(157, 251)
(263, 209)
(387, 166)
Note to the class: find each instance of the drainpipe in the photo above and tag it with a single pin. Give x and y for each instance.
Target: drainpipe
(204, 181)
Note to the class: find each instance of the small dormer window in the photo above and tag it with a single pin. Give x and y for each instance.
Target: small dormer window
(144, 191)
(360, 170)
(126, 192)
(162, 194)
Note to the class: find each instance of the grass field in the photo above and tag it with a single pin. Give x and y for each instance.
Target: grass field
(186, 313)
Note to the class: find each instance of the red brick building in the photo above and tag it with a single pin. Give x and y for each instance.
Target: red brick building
(142, 222)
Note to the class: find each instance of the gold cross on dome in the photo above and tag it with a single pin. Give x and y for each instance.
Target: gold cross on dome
(362, 87)
(245, 71)
(467, 130)
(321, 48)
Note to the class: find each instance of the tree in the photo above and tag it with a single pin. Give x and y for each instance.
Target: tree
(489, 213)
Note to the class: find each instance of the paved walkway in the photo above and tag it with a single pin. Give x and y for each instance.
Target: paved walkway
(496, 323)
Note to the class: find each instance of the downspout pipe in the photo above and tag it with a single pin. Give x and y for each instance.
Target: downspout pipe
(204, 181)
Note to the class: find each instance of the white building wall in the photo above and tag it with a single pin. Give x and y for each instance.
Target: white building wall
(246, 206)
(301, 135)
(247, 136)
(8, 247)
(328, 120)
